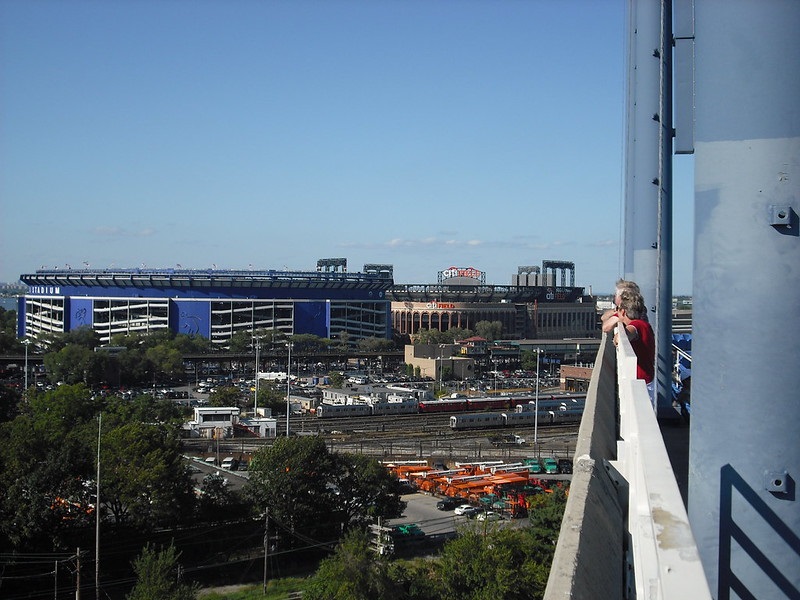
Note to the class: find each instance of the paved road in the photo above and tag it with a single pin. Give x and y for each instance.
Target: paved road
(236, 479)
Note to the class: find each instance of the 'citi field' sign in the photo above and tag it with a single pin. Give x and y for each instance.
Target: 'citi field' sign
(470, 272)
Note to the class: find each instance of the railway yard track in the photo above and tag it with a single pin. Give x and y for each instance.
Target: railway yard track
(411, 437)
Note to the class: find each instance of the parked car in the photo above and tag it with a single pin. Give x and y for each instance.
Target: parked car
(565, 466)
(467, 511)
(448, 503)
(489, 516)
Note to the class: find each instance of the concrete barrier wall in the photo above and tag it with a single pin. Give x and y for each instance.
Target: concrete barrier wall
(588, 561)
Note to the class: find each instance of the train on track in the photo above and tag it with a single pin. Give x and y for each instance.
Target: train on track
(516, 419)
(519, 405)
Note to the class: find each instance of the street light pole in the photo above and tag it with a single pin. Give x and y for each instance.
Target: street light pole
(536, 406)
(255, 401)
(440, 370)
(27, 342)
(288, 386)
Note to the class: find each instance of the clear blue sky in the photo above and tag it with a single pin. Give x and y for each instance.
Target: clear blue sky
(421, 133)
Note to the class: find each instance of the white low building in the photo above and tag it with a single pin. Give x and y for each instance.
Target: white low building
(220, 422)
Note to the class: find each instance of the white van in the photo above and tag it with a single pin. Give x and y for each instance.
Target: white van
(227, 463)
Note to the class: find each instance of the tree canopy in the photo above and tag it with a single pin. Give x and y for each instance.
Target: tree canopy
(483, 562)
(158, 576)
(143, 478)
(434, 336)
(314, 493)
(48, 465)
(489, 330)
(8, 332)
(353, 573)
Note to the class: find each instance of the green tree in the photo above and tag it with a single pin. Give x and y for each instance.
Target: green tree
(75, 363)
(354, 572)
(134, 368)
(192, 344)
(336, 378)
(8, 332)
(270, 337)
(218, 502)
(130, 340)
(458, 333)
(310, 343)
(528, 360)
(501, 563)
(476, 566)
(375, 344)
(342, 343)
(546, 513)
(299, 480)
(9, 403)
(166, 359)
(272, 395)
(46, 460)
(158, 576)
(431, 336)
(291, 478)
(144, 409)
(241, 342)
(44, 497)
(365, 490)
(434, 336)
(157, 337)
(48, 469)
(225, 396)
(489, 330)
(144, 480)
(58, 413)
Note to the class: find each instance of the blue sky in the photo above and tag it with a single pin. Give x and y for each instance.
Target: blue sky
(420, 133)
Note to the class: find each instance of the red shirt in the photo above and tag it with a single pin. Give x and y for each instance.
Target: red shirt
(645, 348)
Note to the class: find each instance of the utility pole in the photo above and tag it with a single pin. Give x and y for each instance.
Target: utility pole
(78, 573)
(97, 516)
(266, 546)
(381, 538)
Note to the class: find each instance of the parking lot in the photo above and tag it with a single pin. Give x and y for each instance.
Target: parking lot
(421, 509)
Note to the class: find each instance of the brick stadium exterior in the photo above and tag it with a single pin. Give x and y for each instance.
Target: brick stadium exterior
(540, 303)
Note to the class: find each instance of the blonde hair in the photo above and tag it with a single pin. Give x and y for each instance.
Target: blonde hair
(632, 303)
(623, 284)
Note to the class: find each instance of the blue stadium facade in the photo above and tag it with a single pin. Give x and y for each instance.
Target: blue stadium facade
(212, 303)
